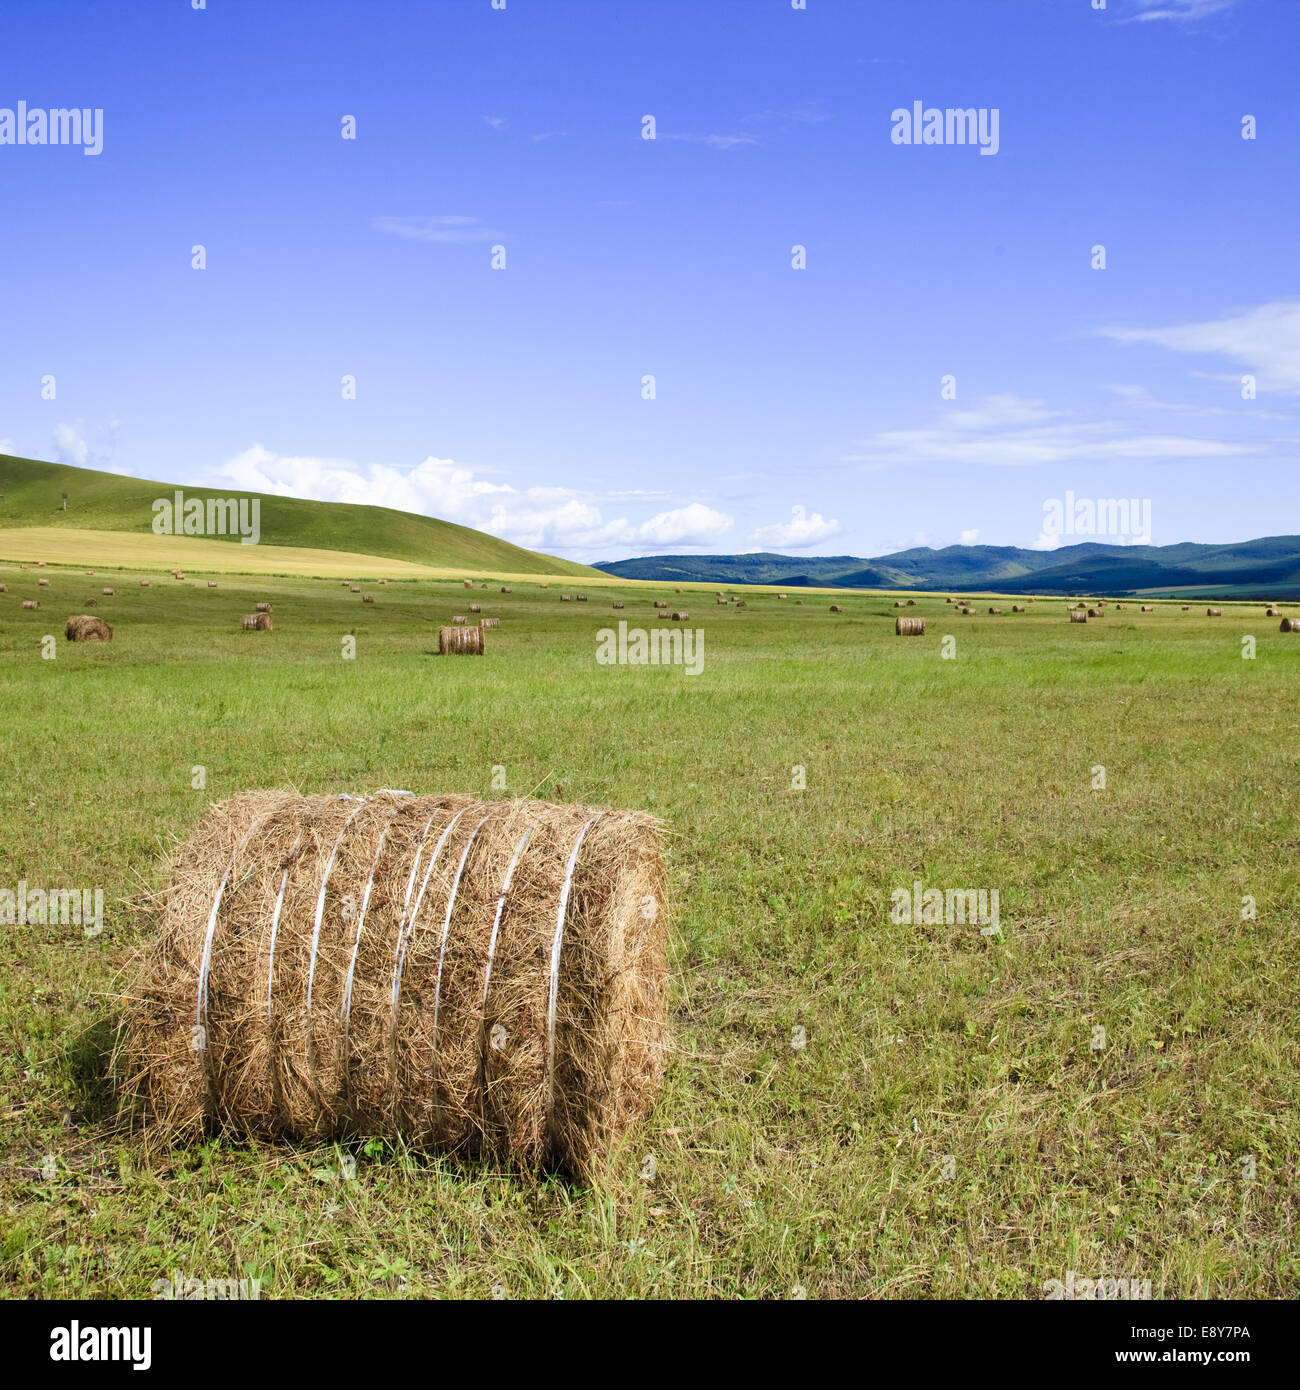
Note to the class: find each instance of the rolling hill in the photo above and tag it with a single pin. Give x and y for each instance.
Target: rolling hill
(1268, 568)
(32, 499)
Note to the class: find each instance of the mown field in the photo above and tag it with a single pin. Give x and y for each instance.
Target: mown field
(955, 1126)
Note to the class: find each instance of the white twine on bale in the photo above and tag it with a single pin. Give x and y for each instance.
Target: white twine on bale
(324, 883)
(501, 903)
(206, 962)
(446, 922)
(275, 921)
(553, 992)
(345, 1008)
(399, 962)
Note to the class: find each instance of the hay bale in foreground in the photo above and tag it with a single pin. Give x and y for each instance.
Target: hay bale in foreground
(1077, 617)
(30, 603)
(486, 979)
(1214, 612)
(909, 627)
(84, 628)
(460, 641)
(257, 622)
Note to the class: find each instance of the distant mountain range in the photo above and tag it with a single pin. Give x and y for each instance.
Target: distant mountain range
(1264, 568)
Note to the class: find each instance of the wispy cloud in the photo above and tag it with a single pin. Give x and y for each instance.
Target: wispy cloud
(714, 142)
(497, 122)
(1009, 431)
(1264, 340)
(441, 229)
(1146, 10)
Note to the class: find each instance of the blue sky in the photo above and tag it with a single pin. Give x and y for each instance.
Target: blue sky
(794, 410)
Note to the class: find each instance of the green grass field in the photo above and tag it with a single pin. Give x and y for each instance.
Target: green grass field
(956, 1125)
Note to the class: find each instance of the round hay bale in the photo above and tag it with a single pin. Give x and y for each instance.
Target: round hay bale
(1187, 608)
(367, 598)
(909, 627)
(782, 595)
(383, 581)
(950, 600)
(618, 603)
(346, 583)
(90, 572)
(1017, 607)
(898, 603)
(212, 583)
(835, 608)
(994, 610)
(460, 641)
(4, 588)
(911, 603)
(1290, 625)
(262, 607)
(1148, 608)
(144, 583)
(1214, 612)
(722, 602)
(661, 603)
(1077, 617)
(484, 979)
(566, 598)
(257, 622)
(506, 589)
(469, 583)
(680, 616)
(42, 583)
(92, 603)
(108, 593)
(475, 607)
(798, 603)
(582, 598)
(355, 588)
(30, 603)
(84, 628)
(1095, 613)
(1272, 612)
(457, 619)
(489, 622)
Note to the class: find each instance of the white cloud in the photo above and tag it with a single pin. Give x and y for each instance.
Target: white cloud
(6, 446)
(715, 142)
(801, 530)
(1264, 340)
(497, 122)
(540, 518)
(441, 229)
(968, 537)
(1177, 9)
(1013, 432)
(70, 444)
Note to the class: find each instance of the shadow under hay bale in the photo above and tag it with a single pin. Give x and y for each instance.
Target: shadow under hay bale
(909, 627)
(460, 641)
(84, 628)
(485, 979)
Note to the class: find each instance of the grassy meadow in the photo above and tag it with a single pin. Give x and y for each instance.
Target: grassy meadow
(956, 1125)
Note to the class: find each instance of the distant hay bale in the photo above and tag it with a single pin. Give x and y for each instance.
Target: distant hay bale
(30, 603)
(1095, 613)
(680, 616)
(677, 591)
(1148, 608)
(721, 595)
(84, 628)
(367, 598)
(909, 627)
(262, 607)
(722, 602)
(489, 622)
(1214, 612)
(383, 581)
(90, 572)
(1290, 625)
(144, 583)
(506, 589)
(911, 603)
(782, 595)
(1187, 608)
(740, 603)
(543, 586)
(482, 586)
(92, 603)
(582, 598)
(1120, 607)
(460, 641)
(458, 619)
(1077, 617)
(212, 583)
(486, 979)
(566, 598)
(835, 608)
(4, 588)
(618, 603)
(994, 610)
(798, 603)
(43, 583)
(950, 600)
(40, 564)
(1272, 612)
(1017, 607)
(469, 583)
(898, 603)
(476, 608)
(257, 622)
(355, 588)
(661, 603)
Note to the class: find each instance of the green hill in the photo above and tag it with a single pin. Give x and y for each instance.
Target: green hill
(31, 495)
